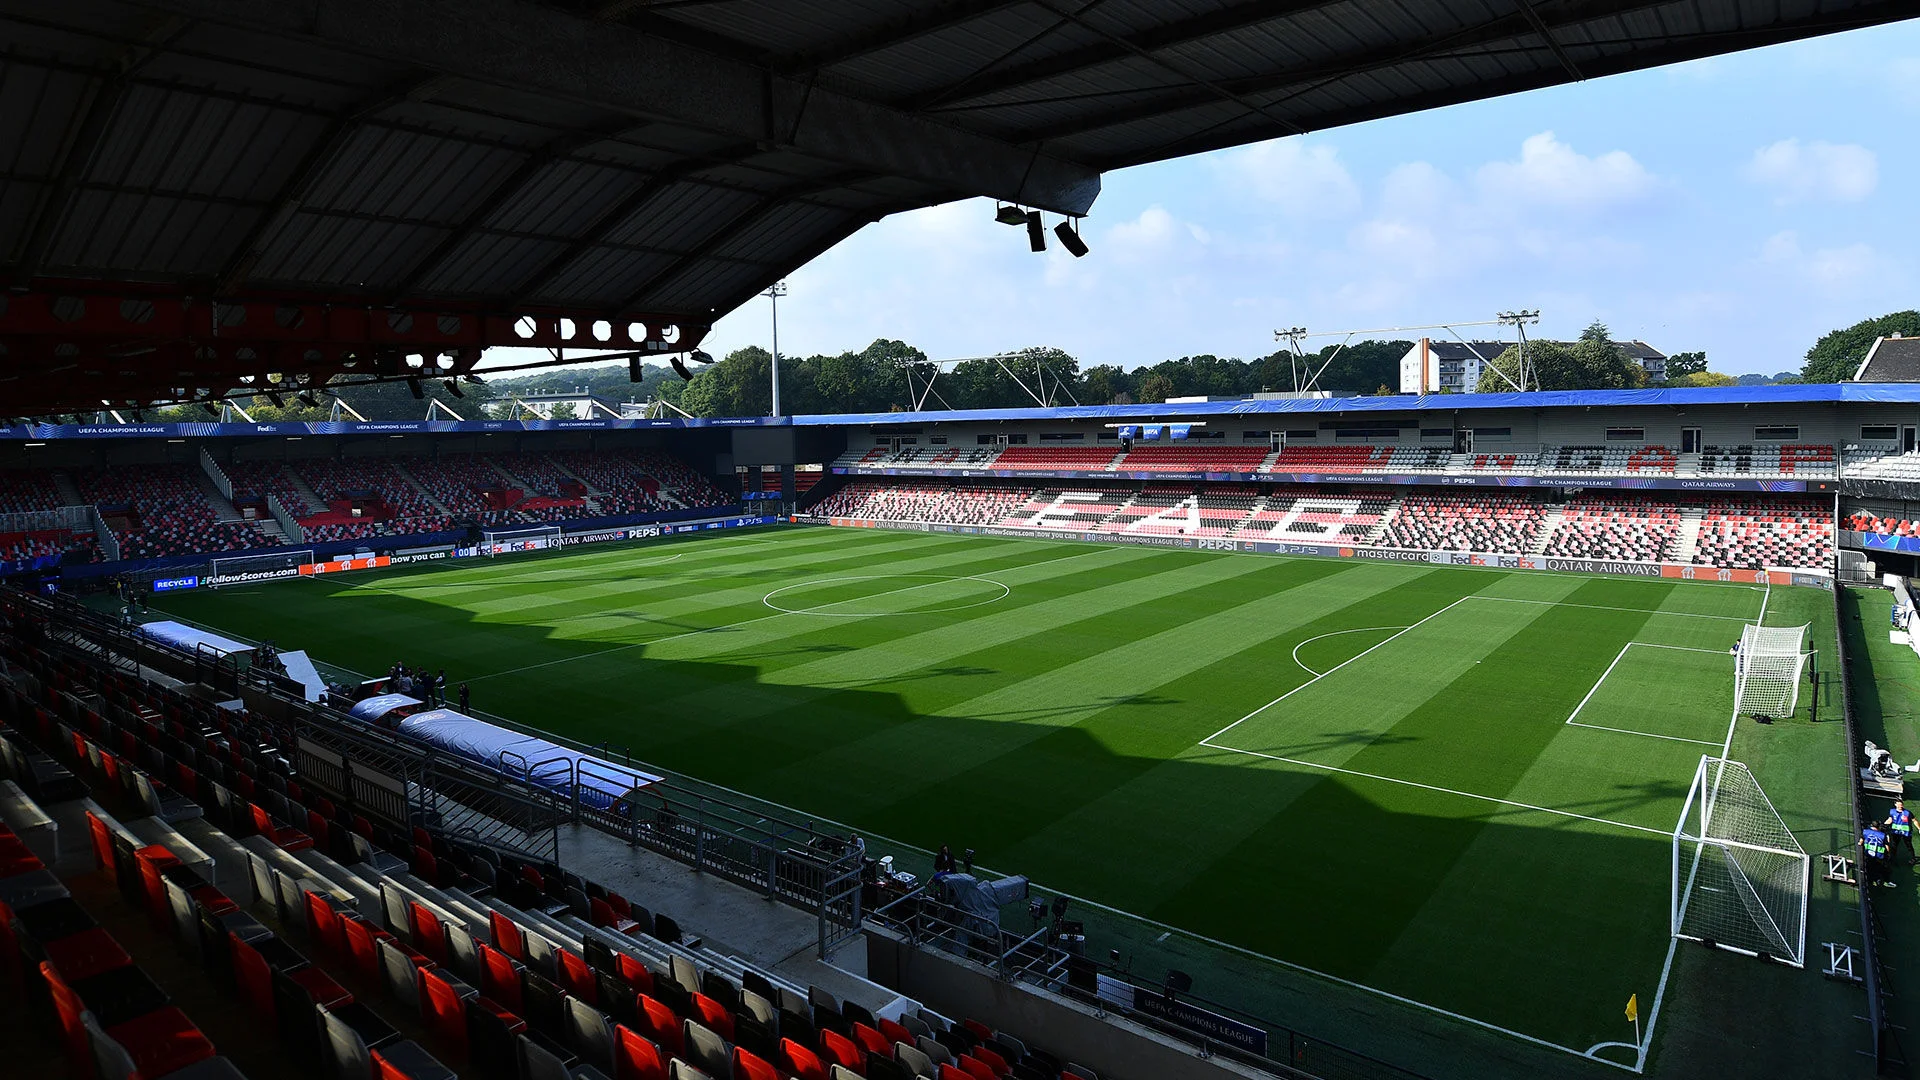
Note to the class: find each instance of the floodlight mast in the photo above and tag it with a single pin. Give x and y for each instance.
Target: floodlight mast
(1519, 320)
(1040, 392)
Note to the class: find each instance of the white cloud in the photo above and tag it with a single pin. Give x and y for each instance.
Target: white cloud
(1551, 173)
(1831, 268)
(1798, 172)
(1305, 180)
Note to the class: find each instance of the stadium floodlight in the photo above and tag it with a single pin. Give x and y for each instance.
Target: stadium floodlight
(306, 398)
(1740, 878)
(1009, 214)
(700, 356)
(1766, 671)
(278, 401)
(1069, 235)
(1036, 231)
(212, 409)
(474, 379)
(453, 387)
(414, 388)
(679, 369)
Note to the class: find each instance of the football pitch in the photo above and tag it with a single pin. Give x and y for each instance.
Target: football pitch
(1450, 785)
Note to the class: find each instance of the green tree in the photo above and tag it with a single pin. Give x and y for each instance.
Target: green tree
(1597, 331)
(1156, 386)
(1837, 355)
(1103, 384)
(740, 385)
(1592, 363)
(1705, 378)
(1683, 364)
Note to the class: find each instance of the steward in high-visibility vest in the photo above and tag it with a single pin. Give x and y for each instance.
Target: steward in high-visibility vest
(1900, 824)
(1873, 845)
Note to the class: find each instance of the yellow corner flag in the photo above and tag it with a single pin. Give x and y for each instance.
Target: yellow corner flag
(1633, 1007)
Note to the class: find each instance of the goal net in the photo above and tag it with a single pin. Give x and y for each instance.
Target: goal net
(519, 538)
(242, 569)
(1740, 879)
(1766, 671)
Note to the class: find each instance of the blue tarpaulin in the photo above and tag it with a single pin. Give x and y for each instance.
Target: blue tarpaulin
(601, 783)
(373, 708)
(1789, 394)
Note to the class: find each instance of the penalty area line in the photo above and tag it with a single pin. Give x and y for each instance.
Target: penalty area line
(1442, 790)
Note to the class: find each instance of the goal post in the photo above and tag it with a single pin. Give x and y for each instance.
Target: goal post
(519, 538)
(242, 569)
(1740, 879)
(1766, 670)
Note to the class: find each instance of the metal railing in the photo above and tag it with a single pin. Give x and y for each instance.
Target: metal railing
(1882, 1032)
(924, 920)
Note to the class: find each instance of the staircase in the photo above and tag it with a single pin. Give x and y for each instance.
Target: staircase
(512, 480)
(315, 504)
(1379, 530)
(223, 508)
(1687, 544)
(69, 494)
(270, 531)
(1556, 513)
(438, 506)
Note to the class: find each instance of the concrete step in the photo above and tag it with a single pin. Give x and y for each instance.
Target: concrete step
(421, 490)
(1555, 515)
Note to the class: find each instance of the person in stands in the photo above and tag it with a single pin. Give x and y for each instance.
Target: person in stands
(1873, 856)
(943, 863)
(1899, 828)
(463, 698)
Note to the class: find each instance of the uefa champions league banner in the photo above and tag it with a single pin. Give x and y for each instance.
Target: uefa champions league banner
(39, 432)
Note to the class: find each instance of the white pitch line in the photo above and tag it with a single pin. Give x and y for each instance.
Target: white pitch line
(1621, 655)
(1603, 607)
(1442, 790)
(1336, 633)
(1643, 734)
(748, 622)
(1571, 722)
(1325, 673)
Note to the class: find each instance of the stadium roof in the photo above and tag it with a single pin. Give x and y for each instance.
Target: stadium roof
(191, 190)
(1680, 397)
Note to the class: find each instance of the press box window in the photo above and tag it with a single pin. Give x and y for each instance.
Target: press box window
(1780, 433)
(1626, 434)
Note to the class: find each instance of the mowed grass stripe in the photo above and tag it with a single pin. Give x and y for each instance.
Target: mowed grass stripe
(718, 705)
(1220, 802)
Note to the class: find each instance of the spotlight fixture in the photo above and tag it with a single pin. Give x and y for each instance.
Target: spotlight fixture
(1069, 235)
(212, 409)
(1036, 231)
(635, 370)
(680, 369)
(700, 356)
(474, 379)
(453, 387)
(306, 398)
(278, 401)
(1009, 214)
(413, 387)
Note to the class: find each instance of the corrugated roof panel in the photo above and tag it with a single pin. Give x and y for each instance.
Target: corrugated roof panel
(490, 264)
(684, 216)
(604, 277)
(780, 227)
(565, 198)
(37, 107)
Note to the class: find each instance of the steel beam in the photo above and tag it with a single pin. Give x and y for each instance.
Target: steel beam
(542, 50)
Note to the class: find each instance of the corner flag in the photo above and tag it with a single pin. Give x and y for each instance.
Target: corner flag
(1633, 1008)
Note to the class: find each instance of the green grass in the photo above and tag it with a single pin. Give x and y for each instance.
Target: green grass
(1362, 768)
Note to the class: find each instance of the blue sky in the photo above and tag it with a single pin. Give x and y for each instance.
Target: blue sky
(1743, 205)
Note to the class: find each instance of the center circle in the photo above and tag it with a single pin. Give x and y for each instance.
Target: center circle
(868, 595)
